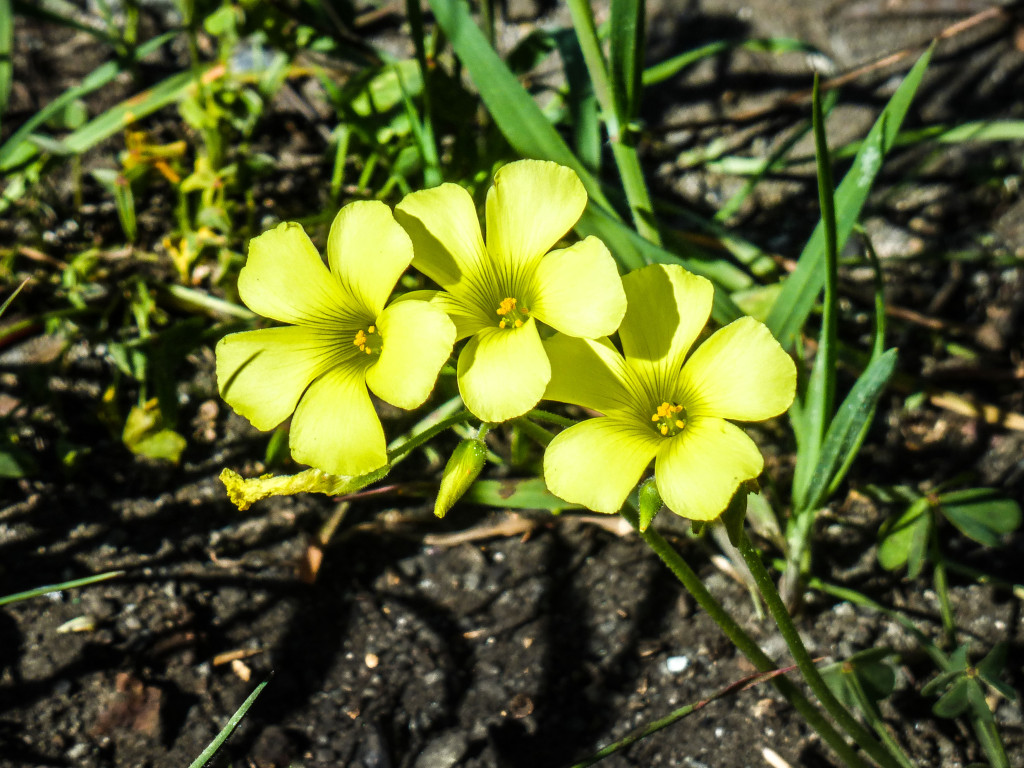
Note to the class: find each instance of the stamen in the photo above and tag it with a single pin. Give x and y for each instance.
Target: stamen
(511, 314)
(368, 341)
(669, 419)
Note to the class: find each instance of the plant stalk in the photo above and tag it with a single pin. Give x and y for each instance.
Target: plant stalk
(743, 641)
(784, 621)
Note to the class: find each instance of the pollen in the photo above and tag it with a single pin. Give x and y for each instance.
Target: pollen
(669, 419)
(512, 315)
(368, 341)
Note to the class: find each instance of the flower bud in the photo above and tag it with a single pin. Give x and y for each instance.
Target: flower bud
(459, 473)
(650, 502)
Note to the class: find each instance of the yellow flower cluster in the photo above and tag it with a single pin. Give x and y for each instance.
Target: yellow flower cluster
(345, 336)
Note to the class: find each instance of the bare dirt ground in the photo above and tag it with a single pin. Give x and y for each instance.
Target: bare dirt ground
(418, 646)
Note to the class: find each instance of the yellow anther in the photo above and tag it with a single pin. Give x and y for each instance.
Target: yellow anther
(511, 314)
(669, 419)
(506, 306)
(368, 341)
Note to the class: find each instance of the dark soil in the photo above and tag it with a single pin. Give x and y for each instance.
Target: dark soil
(422, 644)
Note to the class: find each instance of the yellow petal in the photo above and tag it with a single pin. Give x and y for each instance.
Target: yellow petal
(699, 470)
(284, 278)
(531, 206)
(467, 317)
(445, 231)
(590, 373)
(335, 427)
(368, 251)
(417, 339)
(740, 372)
(667, 308)
(503, 373)
(578, 290)
(262, 374)
(597, 462)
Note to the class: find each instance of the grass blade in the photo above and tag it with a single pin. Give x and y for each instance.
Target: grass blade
(17, 150)
(666, 69)
(816, 411)
(626, 57)
(841, 438)
(6, 51)
(73, 584)
(801, 289)
(230, 726)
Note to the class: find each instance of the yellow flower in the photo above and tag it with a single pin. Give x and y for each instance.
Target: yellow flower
(343, 337)
(498, 291)
(659, 402)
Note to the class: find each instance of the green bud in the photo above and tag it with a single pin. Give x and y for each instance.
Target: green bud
(650, 502)
(459, 473)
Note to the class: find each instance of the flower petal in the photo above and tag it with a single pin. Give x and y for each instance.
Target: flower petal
(284, 278)
(335, 427)
(597, 462)
(449, 249)
(503, 372)
(717, 380)
(699, 470)
(466, 316)
(417, 339)
(262, 374)
(578, 291)
(590, 373)
(532, 205)
(667, 308)
(368, 251)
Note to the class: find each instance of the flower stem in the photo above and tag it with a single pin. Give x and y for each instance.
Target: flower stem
(743, 641)
(784, 621)
(430, 432)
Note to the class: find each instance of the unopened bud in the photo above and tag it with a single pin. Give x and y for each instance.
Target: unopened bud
(650, 502)
(459, 473)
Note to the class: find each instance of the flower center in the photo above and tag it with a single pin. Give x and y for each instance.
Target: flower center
(669, 419)
(368, 341)
(512, 316)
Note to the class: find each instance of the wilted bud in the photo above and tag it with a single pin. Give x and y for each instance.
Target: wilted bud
(459, 473)
(650, 502)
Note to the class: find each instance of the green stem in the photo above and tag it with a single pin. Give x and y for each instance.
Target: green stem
(743, 641)
(430, 432)
(941, 581)
(804, 661)
(870, 712)
(535, 431)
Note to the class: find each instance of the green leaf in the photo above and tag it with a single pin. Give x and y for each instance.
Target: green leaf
(842, 435)
(528, 493)
(985, 520)
(802, 287)
(955, 701)
(992, 666)
(904, 540)
(145, 434)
